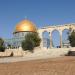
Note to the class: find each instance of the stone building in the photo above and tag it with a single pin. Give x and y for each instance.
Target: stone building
(21, 29)
(26, 26)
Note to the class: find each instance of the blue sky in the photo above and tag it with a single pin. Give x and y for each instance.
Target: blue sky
(40, 12)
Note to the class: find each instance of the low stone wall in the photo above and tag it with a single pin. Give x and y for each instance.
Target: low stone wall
(72, 48)
(38, 52)
(6, 53)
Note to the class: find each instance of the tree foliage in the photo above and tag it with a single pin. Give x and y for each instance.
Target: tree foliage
(27, 45)
(2, 47)
(31, 40)
(72, 39)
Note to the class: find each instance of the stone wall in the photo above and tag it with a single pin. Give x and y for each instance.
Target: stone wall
(37, 52)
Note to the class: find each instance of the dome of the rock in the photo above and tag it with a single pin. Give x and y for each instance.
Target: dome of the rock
(25, 26)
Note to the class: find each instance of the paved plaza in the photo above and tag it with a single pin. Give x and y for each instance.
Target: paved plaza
(55, 66)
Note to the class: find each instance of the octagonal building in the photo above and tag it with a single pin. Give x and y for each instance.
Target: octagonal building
(20, 31)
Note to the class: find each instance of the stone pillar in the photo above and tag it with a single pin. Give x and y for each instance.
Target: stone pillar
(50, 34)
(40, 35)
(60, 39)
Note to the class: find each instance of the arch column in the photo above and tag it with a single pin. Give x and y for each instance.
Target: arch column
(40, 35)
(50, 39)
(60, 39)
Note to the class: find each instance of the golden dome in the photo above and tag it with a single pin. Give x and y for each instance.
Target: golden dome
(25, 25)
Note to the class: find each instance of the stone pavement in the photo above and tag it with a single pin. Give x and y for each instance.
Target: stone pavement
(38, 54)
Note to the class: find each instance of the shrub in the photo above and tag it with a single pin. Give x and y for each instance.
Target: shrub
(2, 47)
(28, 45)
(34, 37)
(72, 39)
(31, 40)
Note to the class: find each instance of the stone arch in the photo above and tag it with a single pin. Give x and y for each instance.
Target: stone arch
(65, 35)
(46, 39)
(59, 28)
(55, 34)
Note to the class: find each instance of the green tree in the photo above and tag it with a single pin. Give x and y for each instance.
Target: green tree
(31, 40)
(72, 39)
(2, 47)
